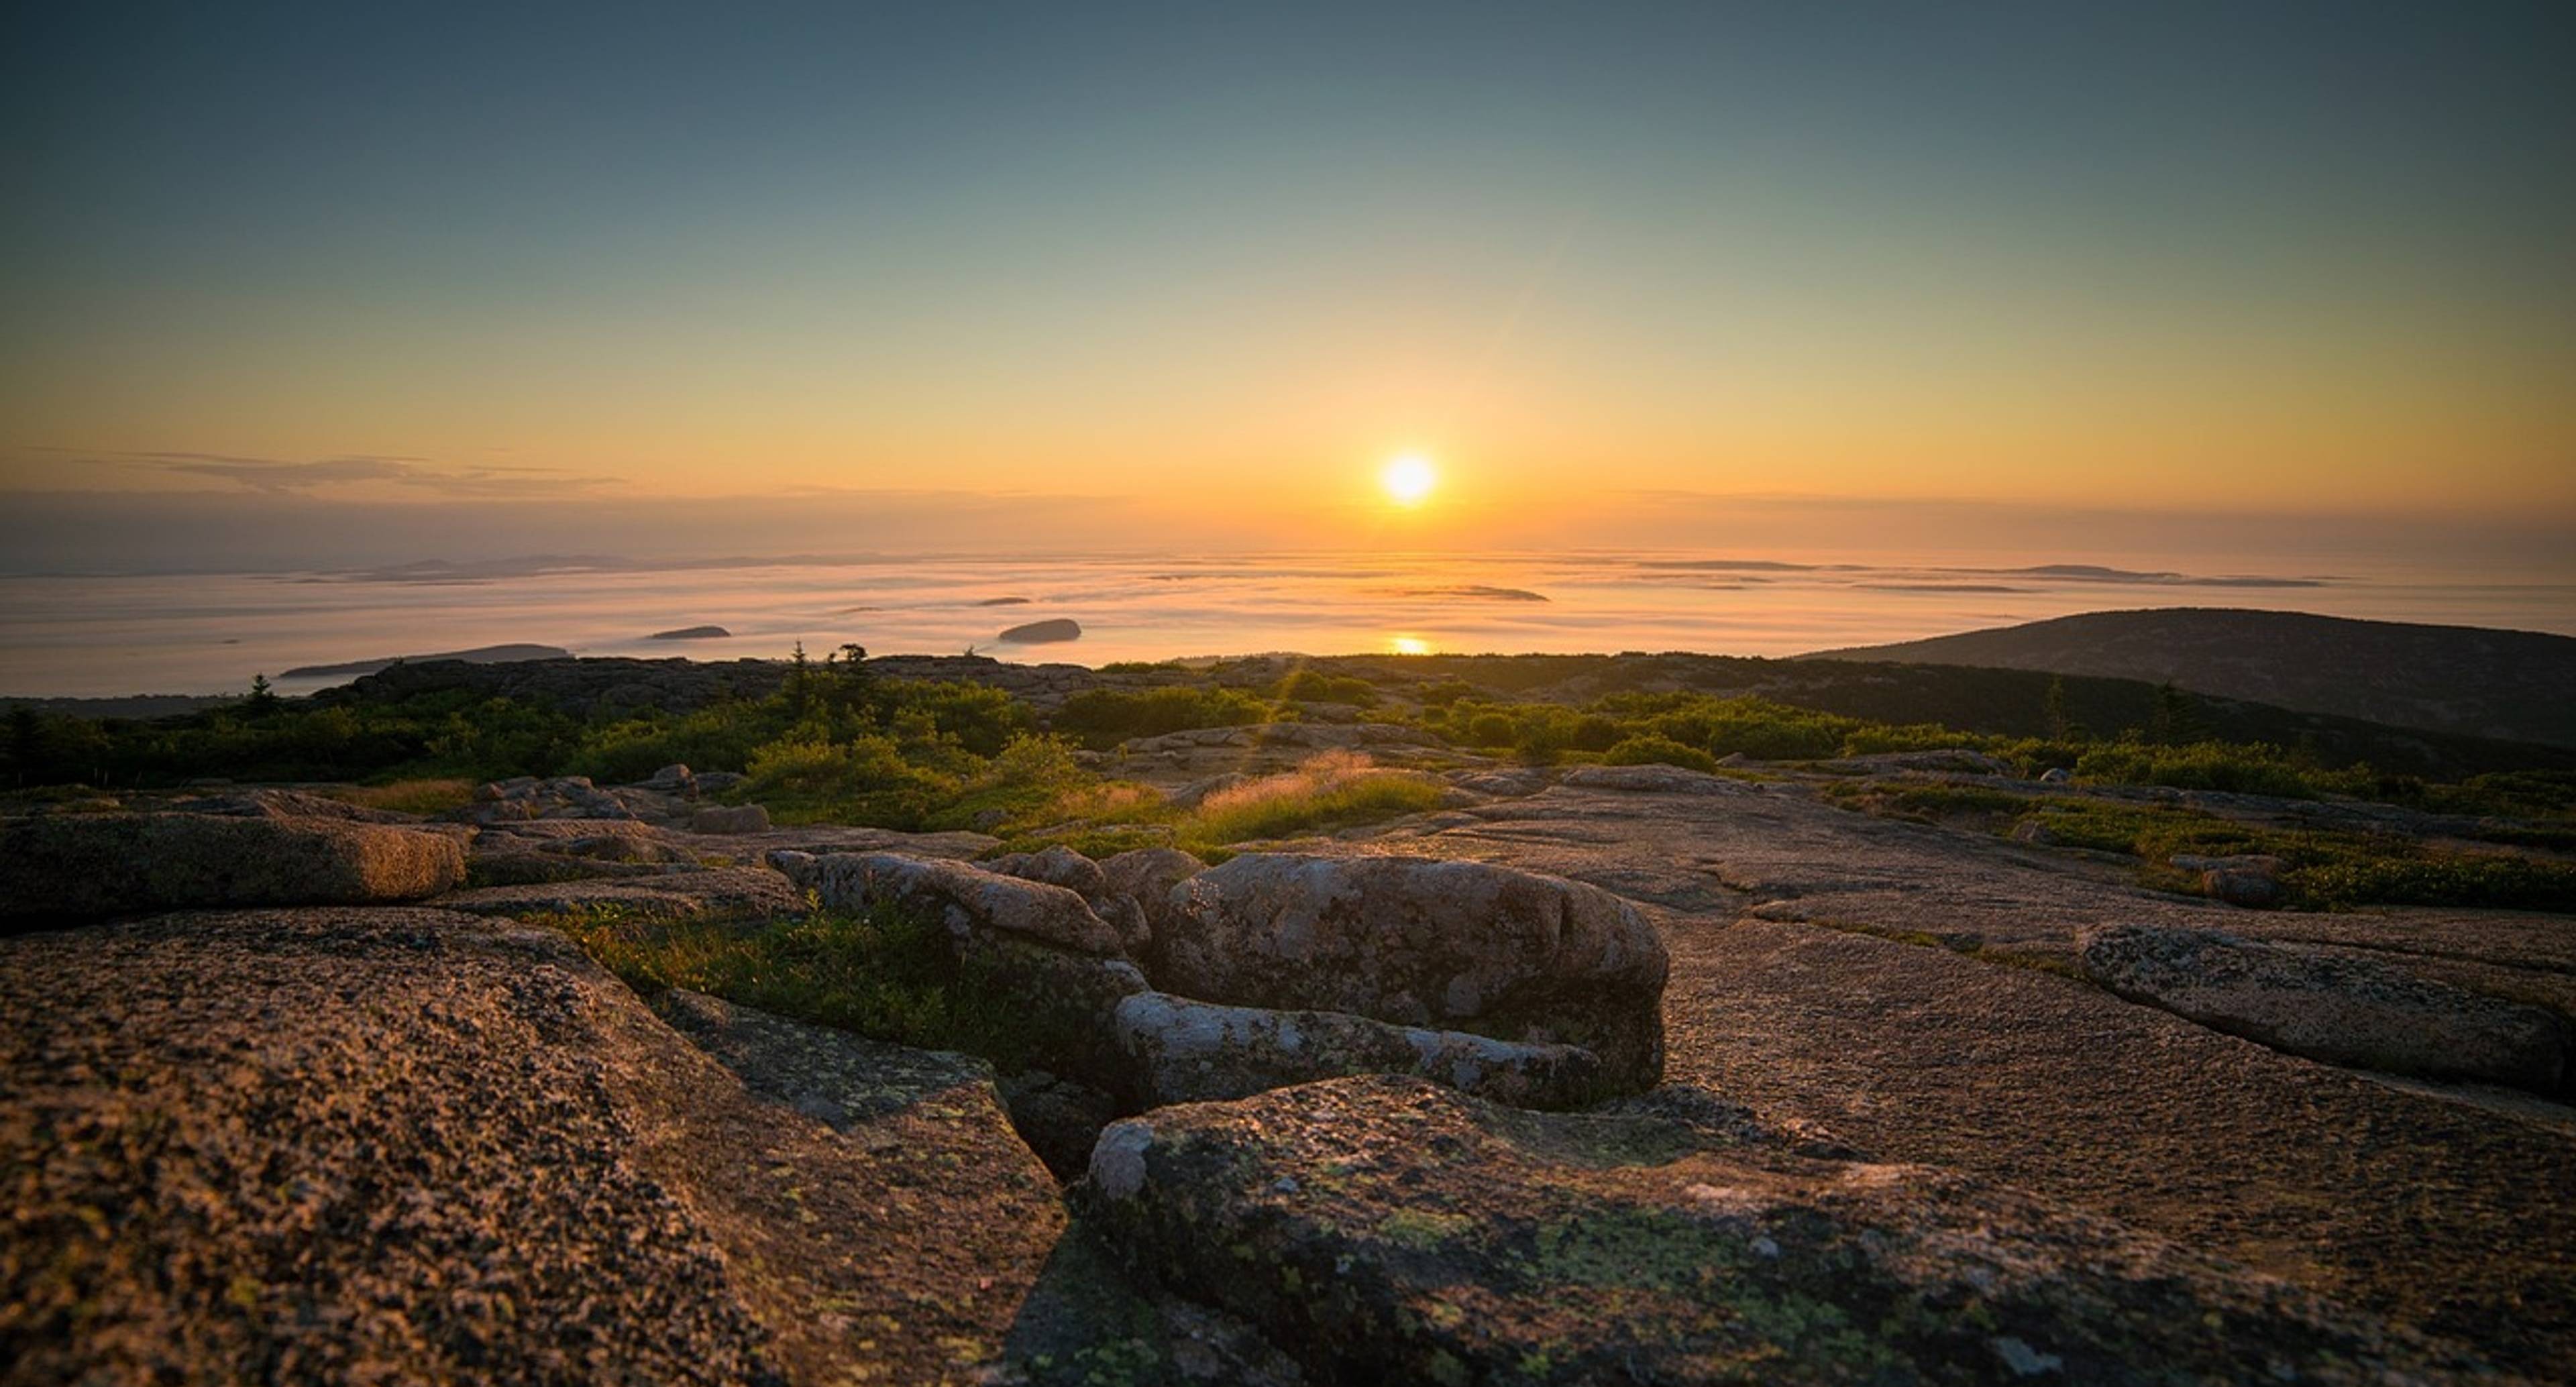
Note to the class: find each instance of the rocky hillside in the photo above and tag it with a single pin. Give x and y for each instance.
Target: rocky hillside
(2513, 685)
(1805, 1073)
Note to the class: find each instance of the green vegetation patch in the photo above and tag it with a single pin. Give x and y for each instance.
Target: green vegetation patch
(1315, 686)
(2322, 870)
(1333, 790)
(1651, 750)
(882, 974)
(1102, 718)
(1703, 728)
(408, 796)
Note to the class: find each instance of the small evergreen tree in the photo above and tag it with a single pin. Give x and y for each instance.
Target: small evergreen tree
(800, 682)
(2177, 718)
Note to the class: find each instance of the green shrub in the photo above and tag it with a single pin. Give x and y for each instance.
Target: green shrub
(865, 780)
(2493, 882)
(1315, 686)
(2254, 769)
(1658, 751)
(1870, 739)
(1490, 729)
(976, 717)
(1447, 692)
(1102, 718)
(1768, 737)
(1032, 779)
(719, 738)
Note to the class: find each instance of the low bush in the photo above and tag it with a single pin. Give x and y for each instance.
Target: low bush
(1315, 686)
(865, 780)
(1657, 751)
(2473, 880)
(1102, 718)
(722, 737)
(2254, 769)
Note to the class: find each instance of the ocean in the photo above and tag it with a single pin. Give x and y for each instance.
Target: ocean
(210, 633)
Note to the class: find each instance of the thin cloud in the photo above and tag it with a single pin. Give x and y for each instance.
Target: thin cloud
(276, 477)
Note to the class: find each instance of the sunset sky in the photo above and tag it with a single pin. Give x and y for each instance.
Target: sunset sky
(1199, 271)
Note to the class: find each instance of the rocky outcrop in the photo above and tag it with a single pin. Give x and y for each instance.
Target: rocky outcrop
(1188, 1052)
(1059, 865)
(969, 901)
(1386, 1229)
(728, 892)
(2246, 879)
(1033, 949)
(1448, 945)
(2331, 1007)
(1147, 876)
(669, 797)
(1657, 779)
(405, 1145)
(75, 866)
(730, 819)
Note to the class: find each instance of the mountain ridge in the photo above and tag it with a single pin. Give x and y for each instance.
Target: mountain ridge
(2466, 680)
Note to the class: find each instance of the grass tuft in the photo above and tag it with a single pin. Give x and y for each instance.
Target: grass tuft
(1335, 789)
(408, 796)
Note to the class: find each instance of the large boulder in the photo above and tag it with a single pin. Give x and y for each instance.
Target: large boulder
(1187, 1052)
(1386, 1229)
(2332, 1007)
(1447, 945)
(406, 1145)
(74, 866)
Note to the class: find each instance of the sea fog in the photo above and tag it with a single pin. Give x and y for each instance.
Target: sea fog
(210, 633)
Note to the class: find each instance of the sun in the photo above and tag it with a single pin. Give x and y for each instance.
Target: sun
(1408, 479)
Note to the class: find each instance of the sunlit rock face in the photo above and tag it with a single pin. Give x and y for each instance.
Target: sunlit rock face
(62, 867)
(1445, 945)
